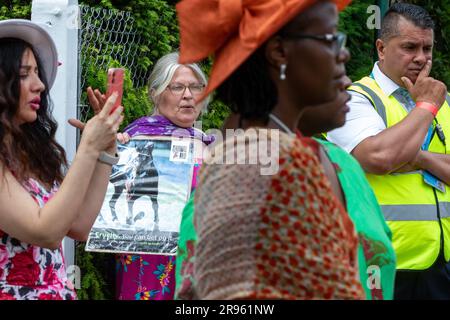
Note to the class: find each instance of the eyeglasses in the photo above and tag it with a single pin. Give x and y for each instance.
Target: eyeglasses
(339, 39)
(179, 88)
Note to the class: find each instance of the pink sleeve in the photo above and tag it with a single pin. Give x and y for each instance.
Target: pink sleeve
(197, 165)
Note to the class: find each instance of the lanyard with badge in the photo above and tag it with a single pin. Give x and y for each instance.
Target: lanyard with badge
(429, 178)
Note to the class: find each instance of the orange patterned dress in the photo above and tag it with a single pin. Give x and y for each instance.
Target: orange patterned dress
(278, 236)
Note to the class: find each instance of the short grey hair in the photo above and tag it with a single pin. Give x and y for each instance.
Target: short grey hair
(163, 73)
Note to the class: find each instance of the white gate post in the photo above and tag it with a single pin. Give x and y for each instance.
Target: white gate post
(61, 19)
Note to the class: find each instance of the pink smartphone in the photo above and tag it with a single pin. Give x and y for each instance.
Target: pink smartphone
(115, 84)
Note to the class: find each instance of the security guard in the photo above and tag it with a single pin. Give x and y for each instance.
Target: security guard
(397, 129)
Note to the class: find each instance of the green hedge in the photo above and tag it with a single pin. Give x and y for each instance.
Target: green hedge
(440, 11)
(360, 39)
(15, 9)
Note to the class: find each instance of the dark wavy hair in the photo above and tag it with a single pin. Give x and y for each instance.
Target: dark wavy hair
(29, 149)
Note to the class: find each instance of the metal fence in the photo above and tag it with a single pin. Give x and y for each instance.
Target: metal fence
(106, 36)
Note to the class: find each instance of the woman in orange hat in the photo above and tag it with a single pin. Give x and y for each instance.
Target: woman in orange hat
(283, 233)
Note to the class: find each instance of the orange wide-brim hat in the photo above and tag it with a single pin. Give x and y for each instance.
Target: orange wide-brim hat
(232, 30)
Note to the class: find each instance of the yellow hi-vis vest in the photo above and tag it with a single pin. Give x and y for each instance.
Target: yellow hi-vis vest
(418, 214)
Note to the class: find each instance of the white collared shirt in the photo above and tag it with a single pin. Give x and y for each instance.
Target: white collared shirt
(362, 121)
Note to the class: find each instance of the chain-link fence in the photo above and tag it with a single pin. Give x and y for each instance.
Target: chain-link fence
(107, 37)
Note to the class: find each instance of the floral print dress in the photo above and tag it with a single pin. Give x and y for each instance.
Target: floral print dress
(29, 272)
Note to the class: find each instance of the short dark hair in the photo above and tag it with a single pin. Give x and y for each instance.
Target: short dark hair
(415, 14)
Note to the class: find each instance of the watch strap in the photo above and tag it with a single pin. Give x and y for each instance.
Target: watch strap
(108, 159)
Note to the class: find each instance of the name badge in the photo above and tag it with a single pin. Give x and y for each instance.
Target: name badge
(431, 180)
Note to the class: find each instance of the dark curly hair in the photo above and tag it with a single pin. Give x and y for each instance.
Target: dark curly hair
(250, 91)
(29, 149)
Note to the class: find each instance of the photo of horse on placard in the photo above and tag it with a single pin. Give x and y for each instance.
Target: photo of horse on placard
(146, 194)
(137, 178)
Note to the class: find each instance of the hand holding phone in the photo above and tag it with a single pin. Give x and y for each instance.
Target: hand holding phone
(115, 84)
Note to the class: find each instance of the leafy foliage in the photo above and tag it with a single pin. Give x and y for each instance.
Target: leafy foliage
(360, 39)
(15, 9)
(217, 111)
(440, 11)
(155, 21)
(134, 100)
(96, 270)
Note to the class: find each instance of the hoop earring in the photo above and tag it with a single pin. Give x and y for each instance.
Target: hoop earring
(283, 72)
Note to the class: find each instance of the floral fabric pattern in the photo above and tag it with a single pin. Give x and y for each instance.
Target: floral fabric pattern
(153, 276)
(29, 272)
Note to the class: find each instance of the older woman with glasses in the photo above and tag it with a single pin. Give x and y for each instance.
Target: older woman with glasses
(174, 90)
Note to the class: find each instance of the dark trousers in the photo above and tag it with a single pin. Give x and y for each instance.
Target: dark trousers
(429, 284)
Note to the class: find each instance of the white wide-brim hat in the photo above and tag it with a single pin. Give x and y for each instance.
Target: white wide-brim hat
(38, 38)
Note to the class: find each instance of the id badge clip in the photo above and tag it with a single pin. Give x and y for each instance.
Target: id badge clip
(431, 180)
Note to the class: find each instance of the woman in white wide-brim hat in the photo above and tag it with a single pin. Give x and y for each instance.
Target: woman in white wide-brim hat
(41, 201)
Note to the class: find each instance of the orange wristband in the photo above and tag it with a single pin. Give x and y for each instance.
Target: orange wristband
(427, 106)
